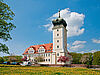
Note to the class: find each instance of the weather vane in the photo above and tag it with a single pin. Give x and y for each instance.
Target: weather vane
(59, 13)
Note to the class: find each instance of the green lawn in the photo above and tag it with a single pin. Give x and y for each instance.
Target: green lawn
(19, 70)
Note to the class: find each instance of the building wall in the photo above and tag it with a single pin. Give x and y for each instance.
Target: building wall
(59, 37)
(62, 50)
(48, 57)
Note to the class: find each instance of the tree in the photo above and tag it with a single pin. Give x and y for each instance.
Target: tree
(38, 59)
(19, 58)
(24, 59)
(1, 60)
(86, 58)
(63, 59)
(96, 58)
(6, 16)
(76, 57)
(12, 58)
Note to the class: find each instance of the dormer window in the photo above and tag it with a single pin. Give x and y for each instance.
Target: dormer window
(41, 49)
(31, 50)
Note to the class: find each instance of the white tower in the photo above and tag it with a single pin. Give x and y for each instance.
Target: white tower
(59, 37)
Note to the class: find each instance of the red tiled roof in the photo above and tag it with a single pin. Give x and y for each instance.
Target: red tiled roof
(48, 48)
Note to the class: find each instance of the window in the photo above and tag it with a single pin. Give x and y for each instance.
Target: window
(57, 54)
(48, 59)
(48, 54)
(57, 46)
(41, 49)
(57, 40)
(49, 50)
(57, 29)
(57, 34)
(31, 50)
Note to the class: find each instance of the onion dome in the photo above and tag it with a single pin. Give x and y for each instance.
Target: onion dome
(59, 21)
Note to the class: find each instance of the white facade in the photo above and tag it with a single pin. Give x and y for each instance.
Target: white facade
(59, 41)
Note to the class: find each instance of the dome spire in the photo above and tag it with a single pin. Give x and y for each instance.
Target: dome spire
(59, 13)
(59, 21)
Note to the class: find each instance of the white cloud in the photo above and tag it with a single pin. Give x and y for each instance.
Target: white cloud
(92, 51)
(77, 47)
(95, 41)
(68, 45)
(74, 20)
(82, 52)
(47, 25)
(78, 42)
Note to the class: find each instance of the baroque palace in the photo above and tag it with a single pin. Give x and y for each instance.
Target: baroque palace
(52, 51)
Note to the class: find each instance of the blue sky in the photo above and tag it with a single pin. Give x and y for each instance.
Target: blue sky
(31, 17)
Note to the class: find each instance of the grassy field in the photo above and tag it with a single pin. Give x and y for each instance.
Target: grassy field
(19, 70)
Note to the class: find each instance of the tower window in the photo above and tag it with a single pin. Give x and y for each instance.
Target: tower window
(57, 29)
(57, 40)
(57, 34)
(57, 54)
(57, 46)
(48, 59)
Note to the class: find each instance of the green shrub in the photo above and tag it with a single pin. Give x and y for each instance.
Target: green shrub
(96, 58)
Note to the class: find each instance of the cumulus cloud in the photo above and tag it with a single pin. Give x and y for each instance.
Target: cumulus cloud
(77, 45)
(74, 21)
(92, 51)
(95, 41)
(82, 52)
(68, 45)
(78, 42)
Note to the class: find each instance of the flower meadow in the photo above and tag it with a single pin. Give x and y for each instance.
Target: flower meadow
(31, 70)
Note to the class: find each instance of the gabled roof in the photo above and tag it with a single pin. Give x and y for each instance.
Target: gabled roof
(48, 48)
